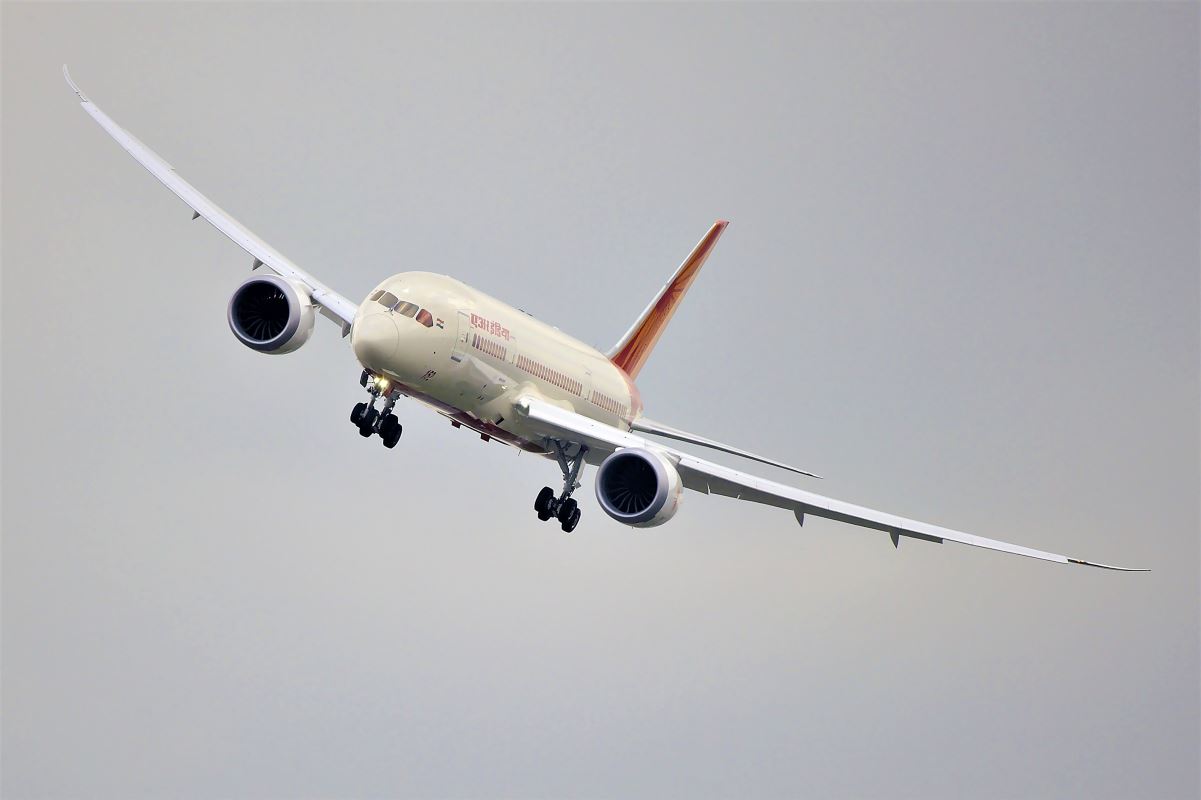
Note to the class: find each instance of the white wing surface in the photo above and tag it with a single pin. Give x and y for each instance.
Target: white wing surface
(333, 305)
(705, 476)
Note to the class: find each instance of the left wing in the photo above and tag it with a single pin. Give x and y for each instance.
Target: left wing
(333, 305)
(705, 476)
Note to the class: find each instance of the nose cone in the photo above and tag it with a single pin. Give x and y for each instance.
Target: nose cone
(375, 339)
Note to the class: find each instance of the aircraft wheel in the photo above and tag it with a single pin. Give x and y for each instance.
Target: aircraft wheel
(544, 503)
(573, 520)
(390, 430)
(357, 414)
(565, 510)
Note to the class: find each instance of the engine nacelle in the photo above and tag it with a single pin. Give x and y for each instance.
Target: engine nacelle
(271, 314)
(638, 487)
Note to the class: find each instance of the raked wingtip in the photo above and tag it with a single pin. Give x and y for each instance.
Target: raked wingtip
(74, 87)
(1107, 566)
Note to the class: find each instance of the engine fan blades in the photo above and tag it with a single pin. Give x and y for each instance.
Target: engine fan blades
(263, 315)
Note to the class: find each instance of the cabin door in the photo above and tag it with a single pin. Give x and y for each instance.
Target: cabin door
(459, 353)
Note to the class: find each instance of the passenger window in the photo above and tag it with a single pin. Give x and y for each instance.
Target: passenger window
(387, 299)
(408, 309)
(425, 318)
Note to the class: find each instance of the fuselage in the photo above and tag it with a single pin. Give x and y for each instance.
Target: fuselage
(470, 356)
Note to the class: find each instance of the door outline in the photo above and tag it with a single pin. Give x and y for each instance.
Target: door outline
(459, 353)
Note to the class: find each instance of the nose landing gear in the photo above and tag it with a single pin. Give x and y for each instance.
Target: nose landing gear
(563, 508)
(369, 420)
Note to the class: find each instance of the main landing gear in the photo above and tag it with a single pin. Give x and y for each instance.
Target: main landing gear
(563, 507)
(369, 420)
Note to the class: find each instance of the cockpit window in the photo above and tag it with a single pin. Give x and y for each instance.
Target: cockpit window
(405, 308)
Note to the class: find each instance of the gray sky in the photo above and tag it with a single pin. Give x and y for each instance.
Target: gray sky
(963, 253)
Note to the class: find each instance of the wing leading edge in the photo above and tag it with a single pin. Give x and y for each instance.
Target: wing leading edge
(332, 305)
(705, 476)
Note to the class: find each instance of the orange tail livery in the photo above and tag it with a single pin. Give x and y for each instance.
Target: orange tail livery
(635, 347)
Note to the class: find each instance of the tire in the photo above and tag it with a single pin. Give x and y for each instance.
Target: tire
(365, 431)
(565, 510)
(369, 418)
(357, 414)
(387, 425)
(569, 525)
(390, 432)
(542, 504)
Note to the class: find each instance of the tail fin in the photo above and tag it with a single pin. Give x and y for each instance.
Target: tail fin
(635, 347)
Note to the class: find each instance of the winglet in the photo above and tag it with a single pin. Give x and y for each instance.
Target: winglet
(83, 98)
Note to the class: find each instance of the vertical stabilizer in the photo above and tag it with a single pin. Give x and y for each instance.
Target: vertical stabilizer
(635, 347)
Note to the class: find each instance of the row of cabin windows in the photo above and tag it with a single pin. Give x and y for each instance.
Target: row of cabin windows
(608, 404)
(406, 309)
(488, 346)
(413, 311)
(549, 375)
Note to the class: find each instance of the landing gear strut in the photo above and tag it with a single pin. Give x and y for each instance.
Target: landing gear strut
(369, 420)
(563, 507)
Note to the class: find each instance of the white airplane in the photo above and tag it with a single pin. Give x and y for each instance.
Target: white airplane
(496, 370)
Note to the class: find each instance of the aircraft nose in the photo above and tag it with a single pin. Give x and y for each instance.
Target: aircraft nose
(374, 339)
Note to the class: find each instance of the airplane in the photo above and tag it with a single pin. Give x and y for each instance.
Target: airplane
(496, 370)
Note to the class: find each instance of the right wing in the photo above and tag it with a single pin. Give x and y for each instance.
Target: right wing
(333, 305)
(705, 476)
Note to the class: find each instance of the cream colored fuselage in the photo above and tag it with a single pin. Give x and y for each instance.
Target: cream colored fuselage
(480, 354)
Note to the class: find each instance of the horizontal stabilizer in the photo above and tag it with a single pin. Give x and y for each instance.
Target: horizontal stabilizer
(649, 426)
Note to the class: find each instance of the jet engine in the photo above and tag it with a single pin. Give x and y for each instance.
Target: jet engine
(638, 487)
(271, 314)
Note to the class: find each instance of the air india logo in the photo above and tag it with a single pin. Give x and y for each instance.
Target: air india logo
(490, 326)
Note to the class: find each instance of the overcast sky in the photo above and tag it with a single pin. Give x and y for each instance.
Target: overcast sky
(961, 281)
